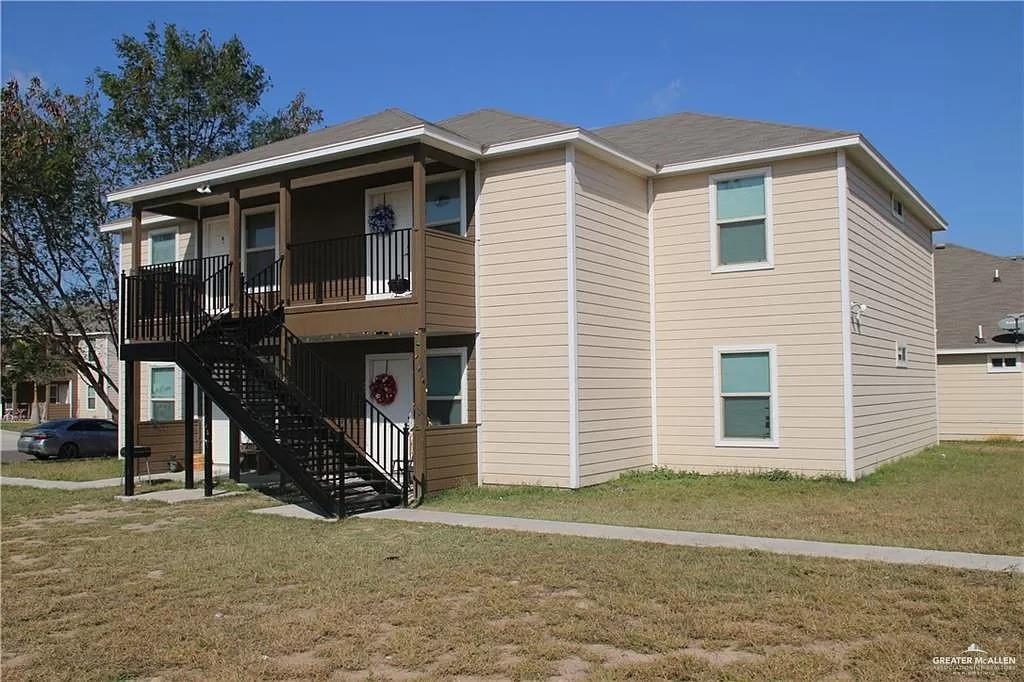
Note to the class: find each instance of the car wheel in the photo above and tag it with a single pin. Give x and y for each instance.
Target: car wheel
(68, 450)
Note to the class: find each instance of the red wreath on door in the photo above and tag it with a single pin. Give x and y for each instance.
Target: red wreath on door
(384, 389)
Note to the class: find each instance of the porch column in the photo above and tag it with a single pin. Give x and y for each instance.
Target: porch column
(235, 248)
(190, 431)
(131, 396)
(419, 288)
(284, 238)
(136, 237)
(207, 446)
(234, 453)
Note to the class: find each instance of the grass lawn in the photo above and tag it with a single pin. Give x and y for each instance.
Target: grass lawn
(79, 469)
(94, 589)
(957, 496)
(16, 426)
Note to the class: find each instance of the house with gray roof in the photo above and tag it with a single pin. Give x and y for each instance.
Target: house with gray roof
(393, 306)
(979, 299)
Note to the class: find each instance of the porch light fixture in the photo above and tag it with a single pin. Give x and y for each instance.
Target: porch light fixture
(203, 189)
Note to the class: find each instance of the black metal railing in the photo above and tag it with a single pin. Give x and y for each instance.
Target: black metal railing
(352, 267)
(174, 301)
(261, 291)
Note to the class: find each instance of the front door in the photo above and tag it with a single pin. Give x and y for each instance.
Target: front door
(387, 252)
(381, 439)
(215, 243)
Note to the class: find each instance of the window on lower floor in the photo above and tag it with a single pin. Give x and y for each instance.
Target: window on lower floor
(161, 394)
(746, 411)
(1003, 363)
(57, 394)
(90, 398)
(445, 394)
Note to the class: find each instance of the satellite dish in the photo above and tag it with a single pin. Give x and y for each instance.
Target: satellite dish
(1012, 323)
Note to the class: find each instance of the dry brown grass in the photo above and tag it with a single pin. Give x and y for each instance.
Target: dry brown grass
(221, 594)
(957, 496)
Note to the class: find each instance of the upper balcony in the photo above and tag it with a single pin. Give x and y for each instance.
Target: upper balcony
(372, 245)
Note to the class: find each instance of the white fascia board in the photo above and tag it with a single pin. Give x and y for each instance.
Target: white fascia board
(855, 143)
(581, 138)
(424, 133)
(149, 220)
(980, 350)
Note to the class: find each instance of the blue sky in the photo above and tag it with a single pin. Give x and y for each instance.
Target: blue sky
(938, 88)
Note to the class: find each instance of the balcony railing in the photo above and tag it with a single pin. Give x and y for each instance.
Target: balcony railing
(174, 301)
(351, 268)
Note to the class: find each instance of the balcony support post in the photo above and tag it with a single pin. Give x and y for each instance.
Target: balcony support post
(136, 238)
(207, 446)
(284, 238)
(235, 248)
(419, 290)
(131, 397)
(190, 430)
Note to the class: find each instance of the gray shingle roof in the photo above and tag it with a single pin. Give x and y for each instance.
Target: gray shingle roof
(668, 139)
(683, 137)
(966, 295)
(491, 126)
(374, 124)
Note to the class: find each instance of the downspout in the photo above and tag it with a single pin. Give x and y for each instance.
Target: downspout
(844, 297)
(653, 323)
(573, 337)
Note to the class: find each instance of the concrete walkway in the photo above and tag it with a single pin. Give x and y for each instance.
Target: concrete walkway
(84, 485)
(834, 550)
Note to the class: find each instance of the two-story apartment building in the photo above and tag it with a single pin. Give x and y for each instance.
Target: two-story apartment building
(504, 299)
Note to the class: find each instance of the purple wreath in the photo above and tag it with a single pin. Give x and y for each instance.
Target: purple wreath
(382, 218)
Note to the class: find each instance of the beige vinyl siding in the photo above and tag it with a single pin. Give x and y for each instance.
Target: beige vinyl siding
(894, 411)
(523, 307)
(107, 354)
(796, 306)
(975, 403)
(451, 302)
(613, 320)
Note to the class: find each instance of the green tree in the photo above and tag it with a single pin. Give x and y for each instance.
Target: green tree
(178, 99)
(59, 275)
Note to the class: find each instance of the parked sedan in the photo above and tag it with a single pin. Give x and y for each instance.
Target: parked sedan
(70, 438)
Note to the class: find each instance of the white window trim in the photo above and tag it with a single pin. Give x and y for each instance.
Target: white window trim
(463, 219)
(256, 210)
(90, 396)
(723, 442)
(1003, 370)
(905, 362)
(463, 383)
(769, 231)
(155, 233)
(173, 400)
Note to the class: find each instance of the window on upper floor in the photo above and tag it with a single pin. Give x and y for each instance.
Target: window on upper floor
(260, 241)
(746, 395)
(741, 221)
(896, 206)
(446, 205)
(998, 364)
(162, 247)
(902, 354)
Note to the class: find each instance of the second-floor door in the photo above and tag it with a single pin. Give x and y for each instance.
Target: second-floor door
(387, 250)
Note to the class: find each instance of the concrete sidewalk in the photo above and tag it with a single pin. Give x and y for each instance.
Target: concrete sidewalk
(833, 550)
(85, 485)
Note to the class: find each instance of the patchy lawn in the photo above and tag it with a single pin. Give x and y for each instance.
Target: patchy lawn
(79, 469)
(957, 496)
(99, 590)
(16, 426)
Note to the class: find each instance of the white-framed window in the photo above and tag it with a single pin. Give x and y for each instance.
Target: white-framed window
(163, 246)
(161, 394)
(741, 220)
(902, 355)
(446, 202)
(57, 393)
(259, 239)
(896, 206)
(1004, 364)
(90, 398)
(446, 386)
(746, 396)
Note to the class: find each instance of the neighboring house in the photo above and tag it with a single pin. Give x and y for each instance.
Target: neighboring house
(540, 303)
(981, 386)
(69, 395)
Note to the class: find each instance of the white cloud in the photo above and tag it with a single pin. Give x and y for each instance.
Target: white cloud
(664, 100)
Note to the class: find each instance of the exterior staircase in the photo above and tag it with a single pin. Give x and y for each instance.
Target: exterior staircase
(334, 445)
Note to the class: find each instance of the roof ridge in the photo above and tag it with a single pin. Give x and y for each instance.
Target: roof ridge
(1011, 258)
(728, 118)
(521, 117)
